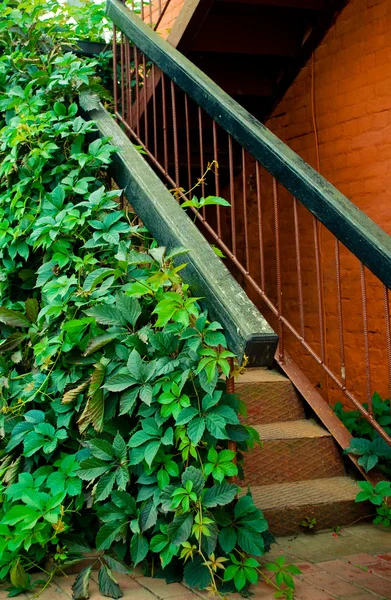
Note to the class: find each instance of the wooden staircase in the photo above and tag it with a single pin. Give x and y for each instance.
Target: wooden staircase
(299, 474)
(253, 49)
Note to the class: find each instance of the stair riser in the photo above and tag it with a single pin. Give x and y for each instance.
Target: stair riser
(270, 402)
(283, 461)
(285, 521)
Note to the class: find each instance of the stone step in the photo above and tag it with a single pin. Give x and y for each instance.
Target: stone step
(330, 501)
(293, 451)
(269, 397)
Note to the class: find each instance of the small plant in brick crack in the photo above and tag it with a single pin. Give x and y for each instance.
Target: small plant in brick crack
(309, 523)
(379, 496)
(114, 414)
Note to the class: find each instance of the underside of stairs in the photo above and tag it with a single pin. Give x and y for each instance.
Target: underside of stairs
(298, 475)
(253, 49)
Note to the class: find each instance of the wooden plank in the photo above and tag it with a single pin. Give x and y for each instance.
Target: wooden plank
(368, 242)
(246, 329)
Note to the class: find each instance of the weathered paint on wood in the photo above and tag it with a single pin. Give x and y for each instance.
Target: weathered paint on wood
(246, 329)
(368, 242)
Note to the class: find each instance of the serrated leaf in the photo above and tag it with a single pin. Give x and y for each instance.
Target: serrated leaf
(13, 318)
(106, 314)
(138, 548)
(107, 534)
(195, 429)
(130, 308)
(227, 539)
(81, 584)
(119, 382)
(32, 309)
(196, 477)
(89, 101)
(74, 390)
(251, 542)
(180, 528)
(105, 486)
(219, 495)
(196, 574)
(13, 341)
(99, 342)
(148, 516)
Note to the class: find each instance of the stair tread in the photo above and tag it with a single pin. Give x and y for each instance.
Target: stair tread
(301, 493)
(289, 430)
(260, 375)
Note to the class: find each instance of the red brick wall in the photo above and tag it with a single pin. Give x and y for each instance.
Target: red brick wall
(351, 104)
(169, 16)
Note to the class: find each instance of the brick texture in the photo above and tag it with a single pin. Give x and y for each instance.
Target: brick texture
(151, 14)
(351, 105)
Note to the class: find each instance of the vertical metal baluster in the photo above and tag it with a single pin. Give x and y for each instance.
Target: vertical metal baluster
(244, 183)
(388, 336)
(137, 92)
(128, 83)
(155, 151)
(298, 267)
(201, 159)
(115, 76)
(260, 223)
(122, 78)
(189, 183)
(159, 8)
(142, 10)
(217, 178)
(164, 124)
(150, 13)
(175, 134)
(232, 194)
(319, 289)
(281, 352)
(340, 312)
(145, 100)
(366, 340)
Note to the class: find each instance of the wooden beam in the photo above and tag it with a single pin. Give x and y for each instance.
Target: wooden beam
(246, 329)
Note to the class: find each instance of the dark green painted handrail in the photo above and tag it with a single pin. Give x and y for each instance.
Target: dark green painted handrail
(368, 242)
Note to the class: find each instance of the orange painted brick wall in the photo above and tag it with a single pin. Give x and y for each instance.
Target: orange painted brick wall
(351, 104)
(169, 17)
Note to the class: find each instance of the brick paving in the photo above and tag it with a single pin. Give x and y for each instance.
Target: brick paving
(354, 564)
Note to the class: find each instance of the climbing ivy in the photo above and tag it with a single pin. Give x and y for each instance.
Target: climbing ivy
(115, 420)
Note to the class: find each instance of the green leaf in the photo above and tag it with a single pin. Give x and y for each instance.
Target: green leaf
(130, 308)
(102, 449)
(106, 315)
(216, 426)
(150, 451)
(227, 539)
(107, 534)
(138, 548)
(81, 584)
(148, 516)
(108, 585)
(180, 528)
(19, 577)
(196, 574)
(105, 486)
(92, 468)
(119, 382)
(13, 318)
(219, 495)
(251, 541)
(99, 342)
(186, 415)
(195, 429)
(196, 477)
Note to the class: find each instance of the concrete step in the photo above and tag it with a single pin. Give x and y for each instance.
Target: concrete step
(293, 451)
(330, 501)
(269, 397)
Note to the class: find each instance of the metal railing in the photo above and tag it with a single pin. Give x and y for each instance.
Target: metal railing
(312, 262)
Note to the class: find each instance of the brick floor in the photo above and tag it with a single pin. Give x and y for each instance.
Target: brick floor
(353, 565)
